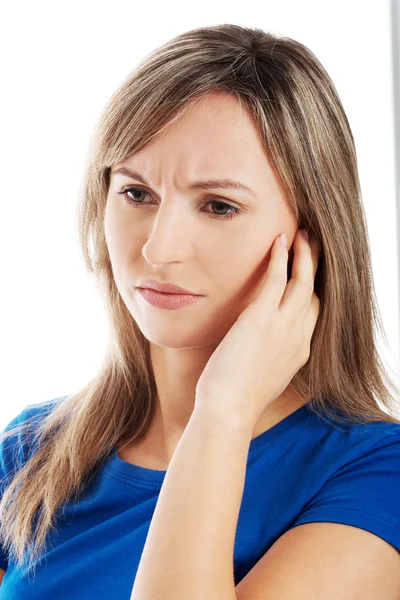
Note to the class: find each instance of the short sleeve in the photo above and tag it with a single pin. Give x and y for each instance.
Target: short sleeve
(16, 449)
(363, 493)
(11, 452)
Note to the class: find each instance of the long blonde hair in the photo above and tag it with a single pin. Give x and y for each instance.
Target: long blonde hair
(306, 134)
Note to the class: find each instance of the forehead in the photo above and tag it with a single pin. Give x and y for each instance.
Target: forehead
(215, 140)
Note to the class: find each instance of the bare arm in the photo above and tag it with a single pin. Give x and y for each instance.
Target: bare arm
(189, 548)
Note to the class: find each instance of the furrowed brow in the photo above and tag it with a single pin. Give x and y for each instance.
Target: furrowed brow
(207, 184)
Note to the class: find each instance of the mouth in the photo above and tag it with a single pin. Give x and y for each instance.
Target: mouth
(167, 300)
(165, 293)
(164, 288)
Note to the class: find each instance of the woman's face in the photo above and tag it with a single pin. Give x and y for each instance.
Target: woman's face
(176, 234)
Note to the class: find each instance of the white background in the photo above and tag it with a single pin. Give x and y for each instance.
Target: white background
(60, 64)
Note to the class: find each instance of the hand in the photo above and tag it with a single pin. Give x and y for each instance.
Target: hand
(270, 341)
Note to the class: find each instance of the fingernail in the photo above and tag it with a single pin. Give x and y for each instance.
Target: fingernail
(305, 235)
(283, 239)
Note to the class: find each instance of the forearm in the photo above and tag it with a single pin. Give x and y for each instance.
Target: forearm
(189, 548)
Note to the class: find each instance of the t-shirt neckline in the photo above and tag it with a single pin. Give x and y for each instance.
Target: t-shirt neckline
(131, 471)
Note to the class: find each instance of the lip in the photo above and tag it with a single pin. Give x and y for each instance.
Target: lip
(168, 301)
(165, 288)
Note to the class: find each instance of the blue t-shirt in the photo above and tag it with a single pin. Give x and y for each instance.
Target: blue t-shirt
(303, 469)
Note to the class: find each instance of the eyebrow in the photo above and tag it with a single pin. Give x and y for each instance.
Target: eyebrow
(207, 184)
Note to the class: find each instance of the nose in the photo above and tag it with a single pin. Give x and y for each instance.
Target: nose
(171, 236)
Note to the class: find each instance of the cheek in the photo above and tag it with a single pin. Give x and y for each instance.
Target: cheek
(239, 274)
(109, 226)
(252, 271)
(116, 233)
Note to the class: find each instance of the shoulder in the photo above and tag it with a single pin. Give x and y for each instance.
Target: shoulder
(341, 444)
(362, 486)
(345, 540)
(32, 410)
(17, 439)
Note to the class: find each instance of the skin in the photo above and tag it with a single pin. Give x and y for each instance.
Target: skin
(174, 237)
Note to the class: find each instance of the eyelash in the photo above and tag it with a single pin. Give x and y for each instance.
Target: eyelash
(236, 213)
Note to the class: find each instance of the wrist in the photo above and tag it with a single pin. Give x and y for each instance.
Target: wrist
(214, 413)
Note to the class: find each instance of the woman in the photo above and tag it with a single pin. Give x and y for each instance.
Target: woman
(249, 421)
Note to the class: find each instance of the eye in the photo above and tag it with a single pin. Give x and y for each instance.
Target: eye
(138, 203)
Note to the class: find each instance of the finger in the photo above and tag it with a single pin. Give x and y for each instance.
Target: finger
(300, 287)
(274, 283)
(312, 317)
